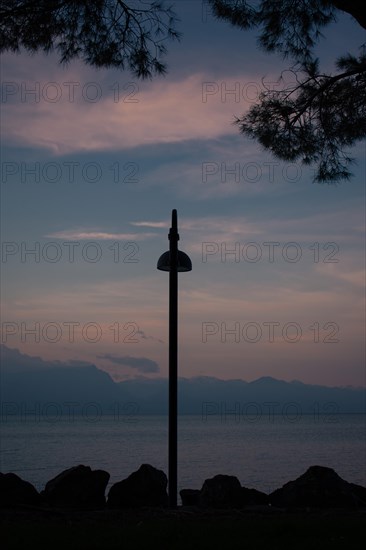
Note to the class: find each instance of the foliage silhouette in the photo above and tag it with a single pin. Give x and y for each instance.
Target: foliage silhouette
(318, 115)
(103, 33)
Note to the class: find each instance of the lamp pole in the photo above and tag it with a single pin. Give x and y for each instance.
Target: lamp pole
(173, 361)
(174, 261)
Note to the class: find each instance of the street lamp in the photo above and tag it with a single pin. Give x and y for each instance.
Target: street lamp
(174, 261)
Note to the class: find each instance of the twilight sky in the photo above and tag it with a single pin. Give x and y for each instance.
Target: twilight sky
(93, 163)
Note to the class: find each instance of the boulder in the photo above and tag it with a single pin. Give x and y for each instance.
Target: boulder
(318, 487)
(221, 491)
(145, 487)
(359, 492)
(189, 497)
(14, 491)
(252, 497)
(78, 487)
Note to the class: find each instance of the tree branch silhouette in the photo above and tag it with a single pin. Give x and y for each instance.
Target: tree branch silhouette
(102, 33)
(315, 120)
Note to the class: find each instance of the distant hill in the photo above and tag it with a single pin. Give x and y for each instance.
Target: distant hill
(29, 382)
(213, 396)
(60, 384)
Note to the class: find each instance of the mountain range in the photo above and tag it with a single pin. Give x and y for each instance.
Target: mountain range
(31, 383)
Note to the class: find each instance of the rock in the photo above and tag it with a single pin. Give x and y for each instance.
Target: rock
(145, 487)
(78, 487)
(318, 487)
(14, 491)
(359, 492)
(252, 497)
(189, 497)
(221, 491)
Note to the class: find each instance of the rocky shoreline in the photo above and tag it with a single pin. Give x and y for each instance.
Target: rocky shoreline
(82, 489)
(317, 510)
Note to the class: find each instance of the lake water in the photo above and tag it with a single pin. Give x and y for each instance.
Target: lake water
(264, 453)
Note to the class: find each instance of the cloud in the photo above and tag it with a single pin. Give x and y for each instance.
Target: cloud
(141, 364)
(82, 235)
(355, 278)
(232, 228)
(159, 225)
(143, 335)
(12, 360)
(162, 112)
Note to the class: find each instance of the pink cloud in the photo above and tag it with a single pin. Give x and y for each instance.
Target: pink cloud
(99, 235)
(81, 109)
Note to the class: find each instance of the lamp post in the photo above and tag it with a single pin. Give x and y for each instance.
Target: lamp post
(174, 261)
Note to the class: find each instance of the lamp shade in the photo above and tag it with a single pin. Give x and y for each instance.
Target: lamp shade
(184, 262)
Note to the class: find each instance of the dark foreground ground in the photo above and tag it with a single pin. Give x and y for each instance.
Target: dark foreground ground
(184, 528)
